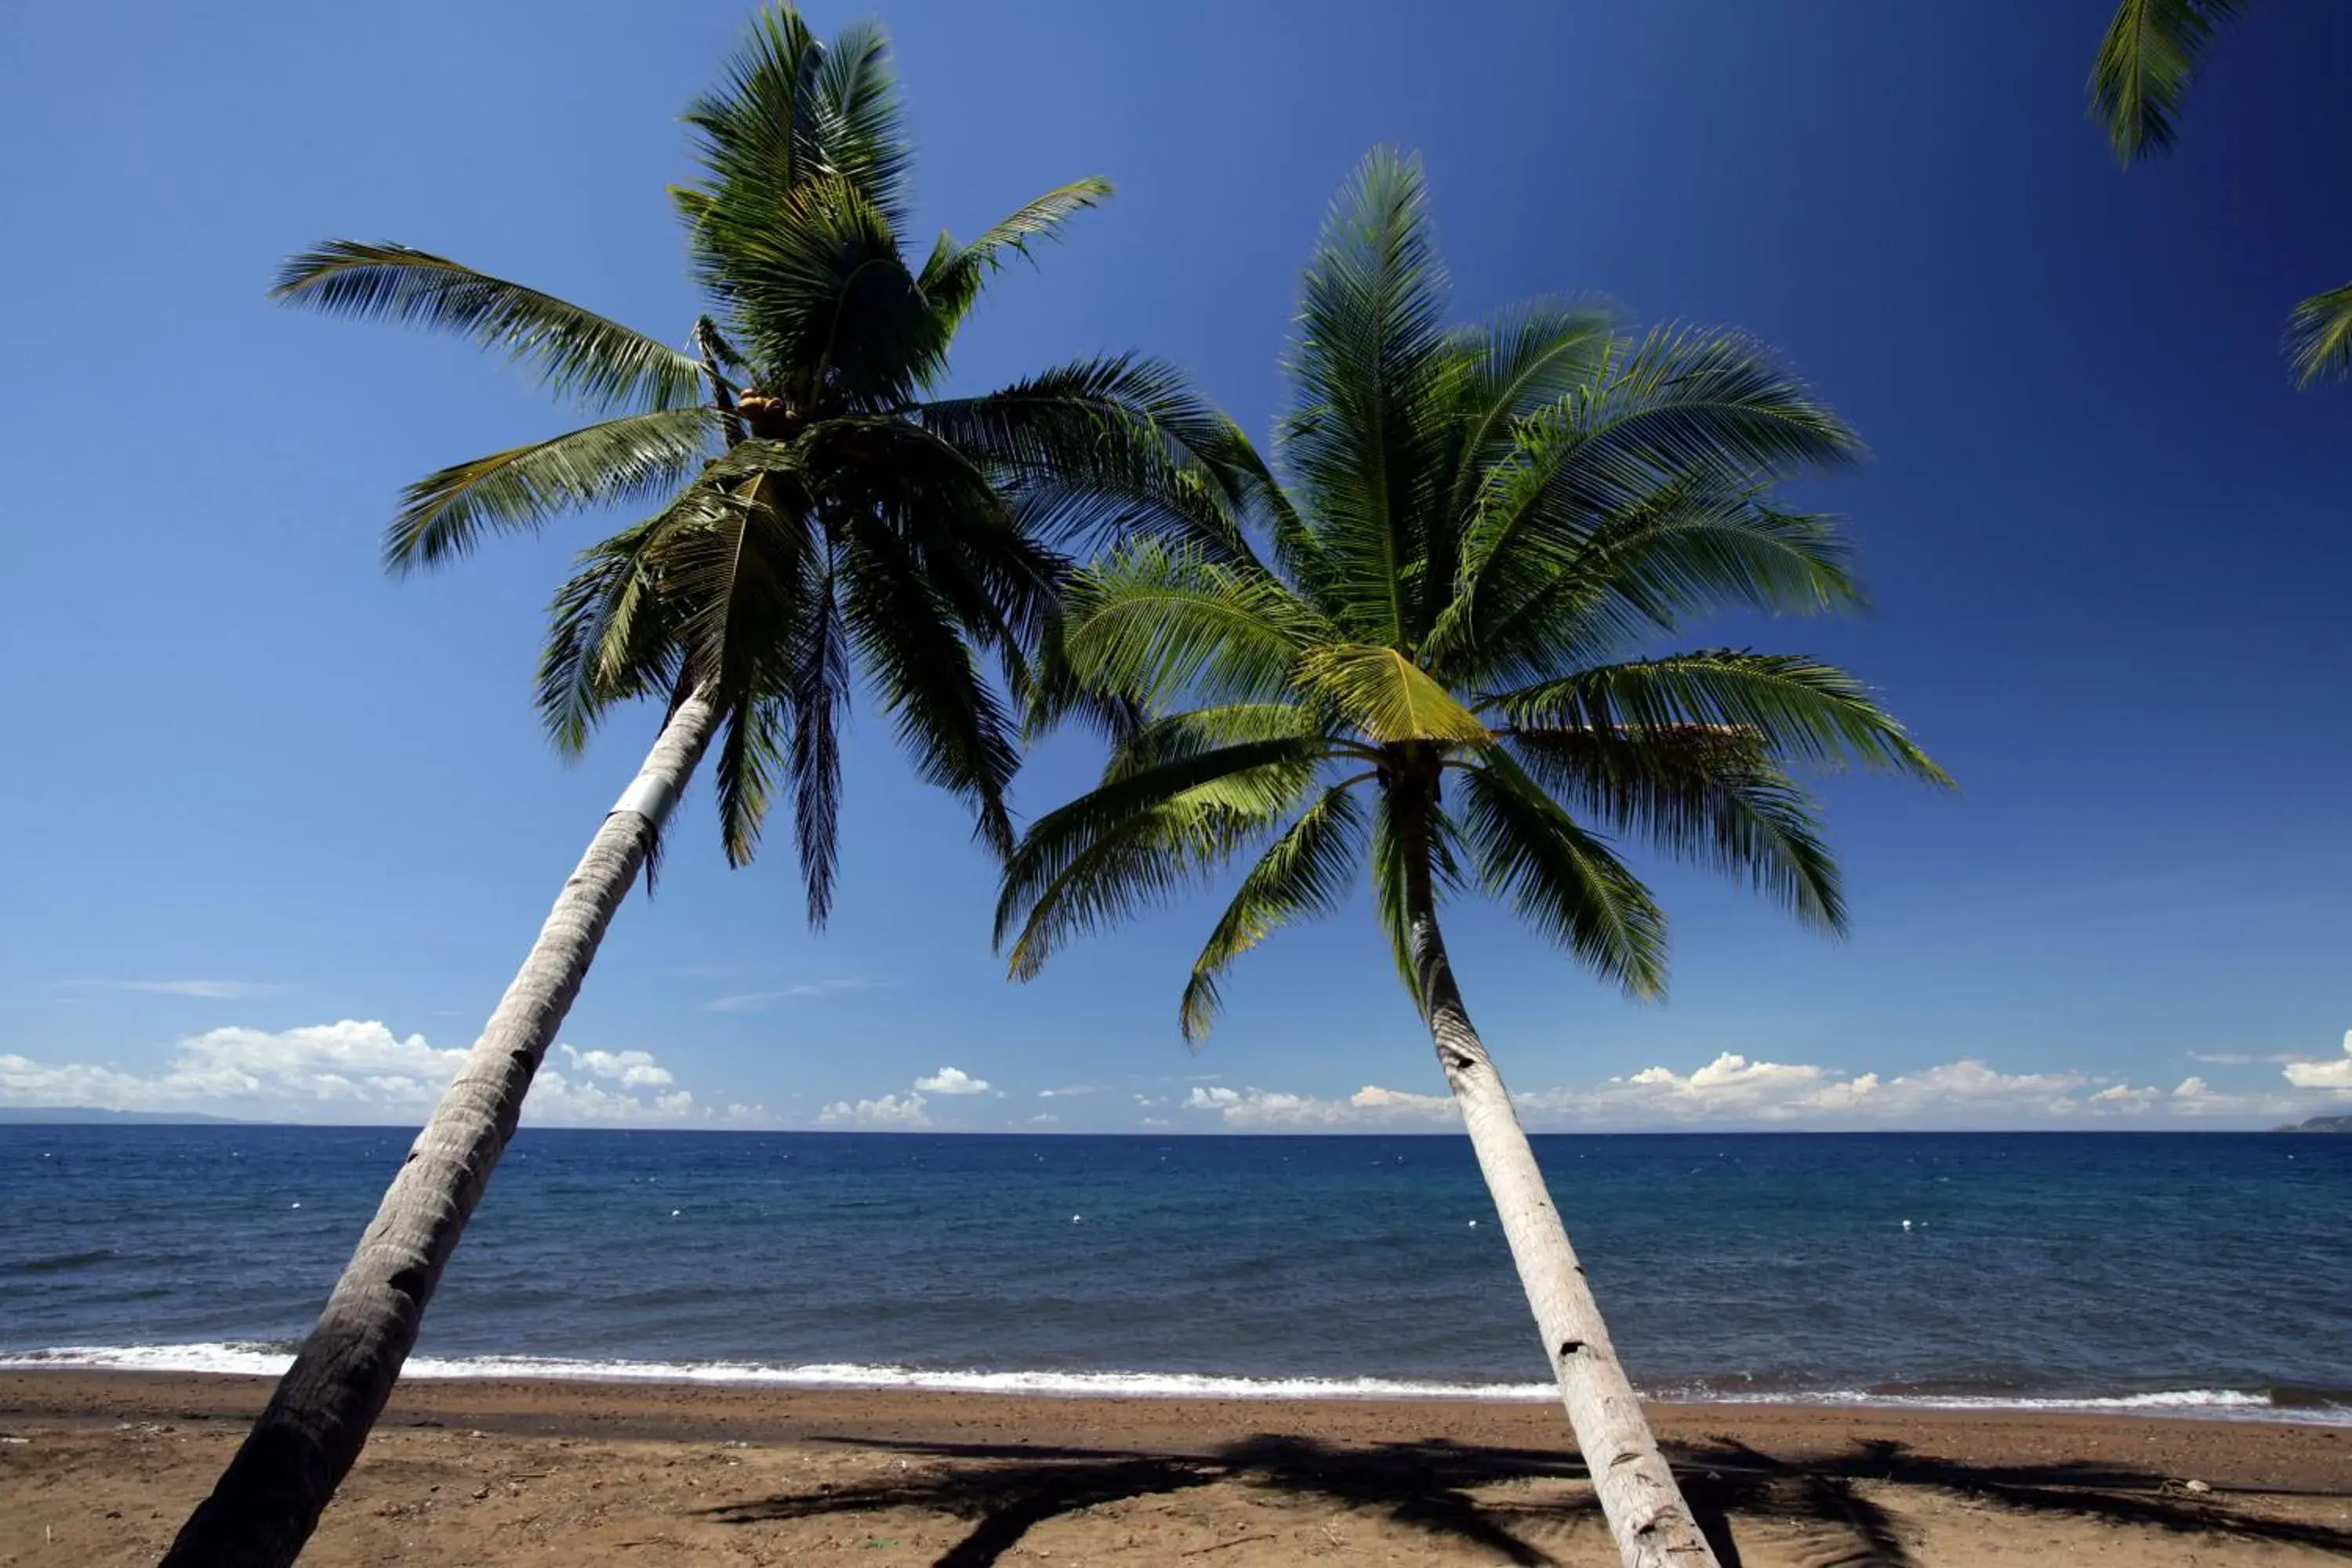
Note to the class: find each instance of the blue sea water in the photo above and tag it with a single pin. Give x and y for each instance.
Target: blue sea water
(2201, 1272)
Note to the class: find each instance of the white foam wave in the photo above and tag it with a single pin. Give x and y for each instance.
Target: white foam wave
(2185, 1399)
(270, 1360)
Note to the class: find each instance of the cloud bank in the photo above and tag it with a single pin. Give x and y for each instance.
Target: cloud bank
(2334, 1075)
(1734, 1091)
(891, 1110)
(355, 1071)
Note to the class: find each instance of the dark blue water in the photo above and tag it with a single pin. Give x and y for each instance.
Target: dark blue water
(2211, 1271)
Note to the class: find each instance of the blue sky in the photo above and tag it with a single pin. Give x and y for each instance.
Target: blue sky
(278, 821)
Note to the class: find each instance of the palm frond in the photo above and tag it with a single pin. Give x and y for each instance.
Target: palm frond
(1152, 743)
(1794, 706)
(1396, 858)
(1113, 448)
(1707, 793)
(791, 109)
(955, 274)
(735, 569)
(1363, 436)
(575, 352)
(1386, 695)
(1306, 871)
(856, 123)
(1140, 837)
(1154, 624)
(1513, 367)
(817, 290)
(1565, 882)
(925, 680)
(610, 636)
(2151, 50)
(1687, 409)
(1569, 594)
(817, 677)
(2319, 337)
(749, 762)
(635, 456)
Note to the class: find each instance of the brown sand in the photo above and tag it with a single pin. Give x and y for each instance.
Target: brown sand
(100, 1468)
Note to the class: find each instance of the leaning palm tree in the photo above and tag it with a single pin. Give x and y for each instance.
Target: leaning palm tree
(2152, 50)
(1436, 671)
(819, 512)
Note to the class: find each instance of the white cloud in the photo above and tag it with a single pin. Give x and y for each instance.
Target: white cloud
(204, 990)
(1372, 1096)
(762, 1001)
(347, 1071)
(2336, 1074)
(1045, 1119)
(1369, 1105)
(1734, 1091)
(1068, 1092)
(2248, 1058)
(952, 1080)
(890, 1110)
(635, 1070)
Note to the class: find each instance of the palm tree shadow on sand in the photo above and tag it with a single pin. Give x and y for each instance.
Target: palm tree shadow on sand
(1006, 1490)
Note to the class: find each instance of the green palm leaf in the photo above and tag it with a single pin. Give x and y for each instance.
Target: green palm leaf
(1567, 883)
(635, 456)
(1579, 594)
(915, 653)
(791, 108)
(576, 353)
(1111, 449)
(1362, 436)
(1307, 870)
(952, 278)
(1387, 696)
(1792, 706)
(2319, 337)
(2151, 50)
(1142, 836)
(1154, 623)
(609, 637)
(1707, 793)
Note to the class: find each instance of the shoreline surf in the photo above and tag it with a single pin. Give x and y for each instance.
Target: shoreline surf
(2318, 1407)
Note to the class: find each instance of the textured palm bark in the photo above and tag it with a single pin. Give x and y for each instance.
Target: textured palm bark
(1652, 1524)
(268, 1500)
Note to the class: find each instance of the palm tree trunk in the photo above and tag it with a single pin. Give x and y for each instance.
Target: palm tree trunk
(268, 1500)
(1652, 1525)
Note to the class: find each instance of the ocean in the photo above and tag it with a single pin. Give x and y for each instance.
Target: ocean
(2207, 1274)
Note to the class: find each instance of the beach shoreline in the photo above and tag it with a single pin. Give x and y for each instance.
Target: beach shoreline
(542, 1471)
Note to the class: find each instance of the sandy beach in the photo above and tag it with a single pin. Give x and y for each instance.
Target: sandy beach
(100, 1468)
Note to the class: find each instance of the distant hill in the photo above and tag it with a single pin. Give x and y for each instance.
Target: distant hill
(2320, 1124)
(53, 1115)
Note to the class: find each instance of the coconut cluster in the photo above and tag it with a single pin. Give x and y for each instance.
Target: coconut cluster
(765, 415)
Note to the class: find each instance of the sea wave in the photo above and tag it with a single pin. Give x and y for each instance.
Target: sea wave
(270, 1359)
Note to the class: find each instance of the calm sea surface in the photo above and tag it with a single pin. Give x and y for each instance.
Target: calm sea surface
(2210, 1272)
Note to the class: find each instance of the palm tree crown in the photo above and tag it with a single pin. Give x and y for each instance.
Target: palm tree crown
(819, 506)
(1436, 669)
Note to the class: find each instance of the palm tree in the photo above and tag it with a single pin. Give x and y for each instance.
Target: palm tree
(1437, 672)
(820, 510)
(2152, 50)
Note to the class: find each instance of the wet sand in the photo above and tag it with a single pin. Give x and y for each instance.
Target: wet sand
(100, 1468)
